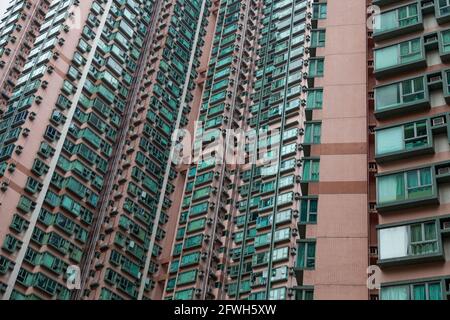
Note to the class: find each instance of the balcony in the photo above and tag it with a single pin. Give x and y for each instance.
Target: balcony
(412, 242)
(404, 56)
(404, 189)
(409, 95)
(398, 22)
(397, 142)
(442, 12)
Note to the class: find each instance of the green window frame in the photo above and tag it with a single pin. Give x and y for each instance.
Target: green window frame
(423, 238)
(184, 294)
(280, 254)
(399, 54)
(313, 132)
(311, 170)
(416, 291)
(316, 67)
(445, 41)
(319, 11)
(409, 185)
(196, 225)
(318, 38)
(395, 95)
(193, 241)
(187, 277)
(278, 294)
(308, 211)
(411, 241)
(444, 7)
(314, 99)
(398, 18)
(306, 257)
(304, 294)
(190, 258)
(402, 138)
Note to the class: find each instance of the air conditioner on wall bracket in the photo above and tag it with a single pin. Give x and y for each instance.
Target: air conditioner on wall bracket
(438, 121)
(444, 170)
(446, 225)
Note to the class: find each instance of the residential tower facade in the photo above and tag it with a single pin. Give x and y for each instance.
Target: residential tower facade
(232, 150)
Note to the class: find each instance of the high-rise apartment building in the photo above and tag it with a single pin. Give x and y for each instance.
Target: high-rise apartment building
(236, 223)
(86, 177)
(18, 31)
(408, 105)
(311, 140)
(292, 225)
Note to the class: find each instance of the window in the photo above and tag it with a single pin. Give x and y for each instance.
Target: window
(304, 294)
(279, 254)
(187, 277)
(314, 99)
(277, 294)
(396, 94)
(308, 211)
(444, 7)
(402, 138)
(423, 238)
(282, 234)
(191, 258)
(316, 67)
(319, 11)
(184, 294)
(306, 258)
(196, 225)
(445, 41)
(401, 17)
(410, 185)
(311, 170)
(420, 291)
(317, 38)
(398, 54)
(312, 133)
(410, 240)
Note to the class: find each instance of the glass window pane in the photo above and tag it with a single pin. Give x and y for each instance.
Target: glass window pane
(387, 96)
(388, 21)
(386, 57)
(419, 292)
(389, 140)
(391, 188)
(434, 291)
(395, 293)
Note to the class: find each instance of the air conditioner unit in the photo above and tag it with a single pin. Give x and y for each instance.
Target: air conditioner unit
(444, 170)
(438, 121)
(293, 251)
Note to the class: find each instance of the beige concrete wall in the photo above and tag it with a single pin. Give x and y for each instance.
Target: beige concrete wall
(342, 232)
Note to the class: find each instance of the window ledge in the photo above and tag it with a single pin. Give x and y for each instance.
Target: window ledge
(445, 56)
(383, 2)
(377, 36)
(400, 67)
(415, 106)
(385, 263)
(403, 154)
(404, 204)
(442, 18)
